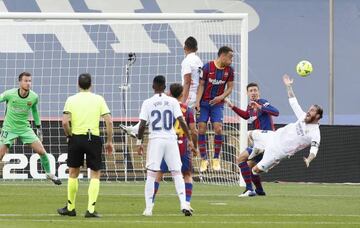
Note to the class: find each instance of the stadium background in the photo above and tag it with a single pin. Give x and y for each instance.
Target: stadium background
(282, 33)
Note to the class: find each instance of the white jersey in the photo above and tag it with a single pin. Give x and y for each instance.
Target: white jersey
(296, 136)
(161, 111)
(192, 64)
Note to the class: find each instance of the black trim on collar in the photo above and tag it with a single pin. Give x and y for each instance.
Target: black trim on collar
(21, 96)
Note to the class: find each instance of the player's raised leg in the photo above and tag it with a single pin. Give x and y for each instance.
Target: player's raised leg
(130, 130)
(36, 145)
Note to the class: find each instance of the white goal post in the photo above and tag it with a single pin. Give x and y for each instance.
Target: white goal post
(56, 47)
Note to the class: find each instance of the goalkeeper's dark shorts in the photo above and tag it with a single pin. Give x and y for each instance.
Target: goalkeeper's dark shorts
(79, 145)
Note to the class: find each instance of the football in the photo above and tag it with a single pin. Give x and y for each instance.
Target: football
(304, 68)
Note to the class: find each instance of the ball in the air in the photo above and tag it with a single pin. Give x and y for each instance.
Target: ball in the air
(304, 68)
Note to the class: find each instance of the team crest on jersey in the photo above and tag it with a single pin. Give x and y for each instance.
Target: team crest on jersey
(29, 103)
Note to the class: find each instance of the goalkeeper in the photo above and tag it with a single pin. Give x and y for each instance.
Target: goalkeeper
(19, 102)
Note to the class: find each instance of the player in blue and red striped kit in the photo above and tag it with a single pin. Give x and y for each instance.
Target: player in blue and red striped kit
(260, 113)
(215, 85)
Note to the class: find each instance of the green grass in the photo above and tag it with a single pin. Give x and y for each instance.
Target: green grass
(34, 204)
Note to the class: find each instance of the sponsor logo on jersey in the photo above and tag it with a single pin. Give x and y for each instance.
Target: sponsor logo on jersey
(299, 129)
(216, 82)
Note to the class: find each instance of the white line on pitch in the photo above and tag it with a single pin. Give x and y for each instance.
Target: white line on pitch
(218, 203)
(196, 195)
(181, 222)
(197, 215)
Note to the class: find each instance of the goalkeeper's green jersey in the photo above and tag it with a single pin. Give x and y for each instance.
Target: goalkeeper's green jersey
(18, 108)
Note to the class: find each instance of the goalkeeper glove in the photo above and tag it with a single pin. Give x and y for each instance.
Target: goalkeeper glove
(39, 133)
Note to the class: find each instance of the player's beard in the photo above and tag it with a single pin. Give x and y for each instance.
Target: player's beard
(310, 119)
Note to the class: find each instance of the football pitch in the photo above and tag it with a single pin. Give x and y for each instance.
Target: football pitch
(34, 204)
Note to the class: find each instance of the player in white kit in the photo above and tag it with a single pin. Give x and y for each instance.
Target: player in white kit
(161, 111)
(191, 70)
(288, 140)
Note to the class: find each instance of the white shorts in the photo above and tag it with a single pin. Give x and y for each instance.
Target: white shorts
(191, 100)
(269, 160)
(262, 138)
(272, 155)
(167, 149)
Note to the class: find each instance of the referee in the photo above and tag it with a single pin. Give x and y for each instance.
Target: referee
(82, 113)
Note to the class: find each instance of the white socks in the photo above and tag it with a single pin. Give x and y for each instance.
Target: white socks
(149, 189)
(180, 187)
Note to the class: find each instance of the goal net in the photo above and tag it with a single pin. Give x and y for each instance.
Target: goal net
(123, 53)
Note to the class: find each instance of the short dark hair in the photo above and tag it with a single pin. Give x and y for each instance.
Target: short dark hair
(191, 44)
(159, 82)
(22, 74)
(84, 81)
(224, 50)
(176, 90)
(252, 84)
(319, 110)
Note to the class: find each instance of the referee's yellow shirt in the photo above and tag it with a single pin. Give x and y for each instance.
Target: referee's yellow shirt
(86, 109)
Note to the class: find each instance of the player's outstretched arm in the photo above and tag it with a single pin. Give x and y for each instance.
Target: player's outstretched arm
(109, 133)
(292, 99)
(288, 83)
(243, 114)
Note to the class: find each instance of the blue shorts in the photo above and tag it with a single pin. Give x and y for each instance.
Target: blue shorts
(214, 112)
(186, 164)
(256, 159)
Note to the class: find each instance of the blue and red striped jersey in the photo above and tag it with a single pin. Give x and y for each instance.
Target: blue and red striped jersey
(215, 80)
(261, 118)
(189, 118)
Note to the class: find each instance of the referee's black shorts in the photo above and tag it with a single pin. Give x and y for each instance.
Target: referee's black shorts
(82, 144)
